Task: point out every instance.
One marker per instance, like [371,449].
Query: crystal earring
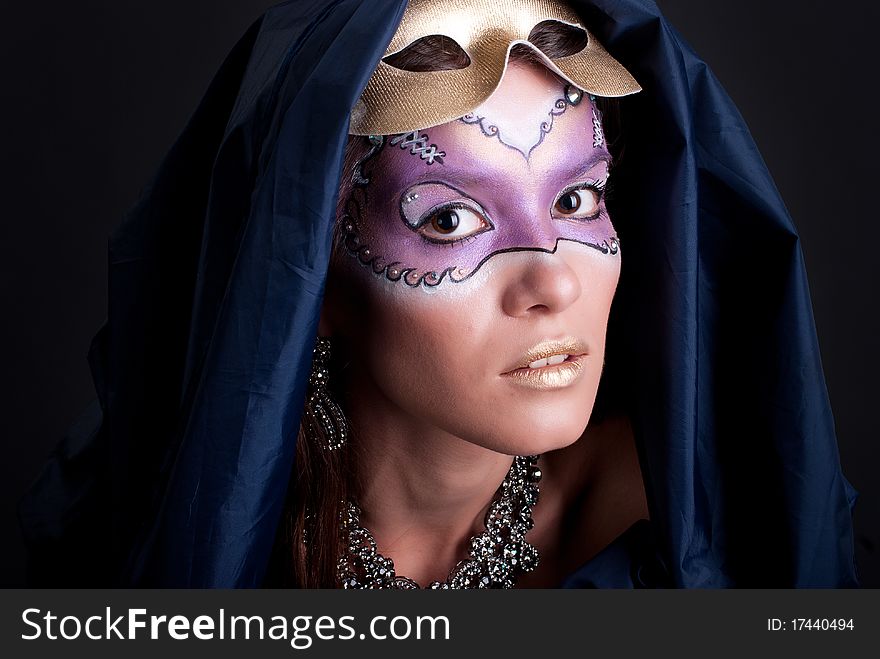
[321,410]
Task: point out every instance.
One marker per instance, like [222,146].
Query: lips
[550,364]
[550,353]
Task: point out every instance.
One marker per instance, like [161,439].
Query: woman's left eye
[581,203]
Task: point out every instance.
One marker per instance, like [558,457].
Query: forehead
[525,129]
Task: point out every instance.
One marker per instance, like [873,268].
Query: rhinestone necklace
[497,556]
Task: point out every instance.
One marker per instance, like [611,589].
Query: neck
[423,491]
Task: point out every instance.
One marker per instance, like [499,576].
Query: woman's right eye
[452,223]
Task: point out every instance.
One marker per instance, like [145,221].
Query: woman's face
[471,244]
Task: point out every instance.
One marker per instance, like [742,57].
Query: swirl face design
[507,177]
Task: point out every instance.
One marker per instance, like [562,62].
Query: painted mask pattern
[431,207]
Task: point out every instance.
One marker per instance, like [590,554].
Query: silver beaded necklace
[497,556]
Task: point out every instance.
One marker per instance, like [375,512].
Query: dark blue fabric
[217,276]
[633,560]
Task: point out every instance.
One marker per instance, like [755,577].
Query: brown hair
[309,543]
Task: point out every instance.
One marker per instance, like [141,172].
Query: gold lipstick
[551,376]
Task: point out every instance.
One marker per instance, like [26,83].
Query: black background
[95,91]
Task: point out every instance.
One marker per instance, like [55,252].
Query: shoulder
[595,492]
[603,463]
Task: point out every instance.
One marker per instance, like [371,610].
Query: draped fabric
[176,476]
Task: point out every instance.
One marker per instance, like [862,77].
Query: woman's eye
[452,223]
[579,203]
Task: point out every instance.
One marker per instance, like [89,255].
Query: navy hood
[177,475]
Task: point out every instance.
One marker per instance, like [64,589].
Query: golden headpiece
[398,101]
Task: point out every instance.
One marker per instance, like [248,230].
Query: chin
[525,436]
[522,421]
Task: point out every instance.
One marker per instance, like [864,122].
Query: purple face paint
[522,172]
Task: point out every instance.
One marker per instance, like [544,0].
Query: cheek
[600,276]
[591,314]
[417,325]
[424,352]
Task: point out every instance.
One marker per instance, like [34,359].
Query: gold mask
[398,101]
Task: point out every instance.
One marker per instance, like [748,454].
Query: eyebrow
[583,168]
[468,177]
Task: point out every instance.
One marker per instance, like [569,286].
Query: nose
[546,284]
